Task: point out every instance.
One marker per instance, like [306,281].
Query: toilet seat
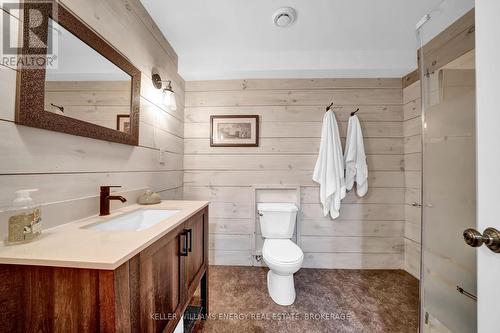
[282,252]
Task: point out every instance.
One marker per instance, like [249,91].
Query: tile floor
[327,301]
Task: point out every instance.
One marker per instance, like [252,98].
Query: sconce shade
[169,99]
[173,102]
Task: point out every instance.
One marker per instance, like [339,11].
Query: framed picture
[123,123]
[234,131]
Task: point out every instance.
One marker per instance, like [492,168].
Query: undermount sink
[136,221]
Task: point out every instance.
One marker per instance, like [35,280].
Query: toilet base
[281,288]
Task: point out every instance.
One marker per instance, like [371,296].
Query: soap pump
[25,218]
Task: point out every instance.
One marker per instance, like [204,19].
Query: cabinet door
[160,278]
[197,231]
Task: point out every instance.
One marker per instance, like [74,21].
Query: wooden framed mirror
[71,80]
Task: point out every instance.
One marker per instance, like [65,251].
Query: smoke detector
[284,17]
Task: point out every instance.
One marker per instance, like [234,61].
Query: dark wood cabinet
[161,277]
[148,293]
[197,233]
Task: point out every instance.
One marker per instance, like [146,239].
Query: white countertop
[73,245]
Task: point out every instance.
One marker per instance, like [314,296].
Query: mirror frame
[30,110]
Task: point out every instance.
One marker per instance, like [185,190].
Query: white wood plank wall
[70,168]
[413,166]
[369,232]
[378,231]
[98,102]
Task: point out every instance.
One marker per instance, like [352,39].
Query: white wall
[443,15]
[488,157]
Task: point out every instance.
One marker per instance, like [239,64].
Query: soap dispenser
[25,218]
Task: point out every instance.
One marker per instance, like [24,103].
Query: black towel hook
[329,107]
[353,113]
[60,108]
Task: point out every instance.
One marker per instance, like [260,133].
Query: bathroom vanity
[90,275]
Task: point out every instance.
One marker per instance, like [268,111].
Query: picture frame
[234,131]
[123,123]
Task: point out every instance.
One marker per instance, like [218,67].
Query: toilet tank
[277,220]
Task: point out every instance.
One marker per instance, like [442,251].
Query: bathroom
[162,166]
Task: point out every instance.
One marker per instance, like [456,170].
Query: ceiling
[236,39]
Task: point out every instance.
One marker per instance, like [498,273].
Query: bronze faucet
[106,198]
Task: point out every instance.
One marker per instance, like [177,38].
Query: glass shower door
[448,274]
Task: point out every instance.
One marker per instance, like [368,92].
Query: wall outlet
[162,156]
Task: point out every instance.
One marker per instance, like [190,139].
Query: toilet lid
[282,251]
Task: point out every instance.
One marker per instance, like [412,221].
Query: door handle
[183,252]
[490,237]
[190,241]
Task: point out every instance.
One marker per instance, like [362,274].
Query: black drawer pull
[190,246]
[183,252]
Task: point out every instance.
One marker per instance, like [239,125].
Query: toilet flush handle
[260,214]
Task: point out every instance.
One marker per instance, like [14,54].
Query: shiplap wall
[71,168]
[413,166]
[369,232]
[98,102]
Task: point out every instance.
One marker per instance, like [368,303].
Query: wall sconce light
[168,97]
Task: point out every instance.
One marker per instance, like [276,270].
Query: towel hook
[329,107]
[353,113]
[60,108]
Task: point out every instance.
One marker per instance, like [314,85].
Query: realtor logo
[28,37]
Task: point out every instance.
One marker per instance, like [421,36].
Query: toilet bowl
[280,253]
[284,258]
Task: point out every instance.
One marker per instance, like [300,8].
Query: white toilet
[280,253]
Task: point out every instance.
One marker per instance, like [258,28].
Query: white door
[488,158]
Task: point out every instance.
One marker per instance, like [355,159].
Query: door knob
[490,237]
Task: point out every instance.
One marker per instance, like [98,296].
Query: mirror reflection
[84,85]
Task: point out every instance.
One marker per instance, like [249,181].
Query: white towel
[329,169]
[355,158]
